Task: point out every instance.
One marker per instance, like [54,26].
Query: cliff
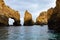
[54,21]
[28,19]
[49,13]
[9,13]
[42,18]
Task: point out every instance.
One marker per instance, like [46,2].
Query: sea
[28,33]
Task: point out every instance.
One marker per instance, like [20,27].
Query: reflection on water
[27,33]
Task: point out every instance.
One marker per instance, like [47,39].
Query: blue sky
[33,6]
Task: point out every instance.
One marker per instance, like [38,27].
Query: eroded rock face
[49,13]
[28,19]
[9,13]
[42,18]
[3,20]
[54,21]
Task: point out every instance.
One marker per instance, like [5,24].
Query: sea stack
[6,12]
[42,18]
[28,19]
[54,21]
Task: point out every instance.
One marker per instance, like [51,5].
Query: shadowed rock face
[49,13]
[42,18]
[3,20]
[8,12]
[54,21]
[28,19]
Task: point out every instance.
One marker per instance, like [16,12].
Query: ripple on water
[27,33]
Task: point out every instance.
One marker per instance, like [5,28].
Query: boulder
[54,20]
[9,13]
[28,19]
[42,18]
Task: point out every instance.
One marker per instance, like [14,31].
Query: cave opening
[11,21]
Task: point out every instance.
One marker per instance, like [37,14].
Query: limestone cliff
[9,13]
[54,21]
[28,19]
[42,18]
[49,13]
[3,20]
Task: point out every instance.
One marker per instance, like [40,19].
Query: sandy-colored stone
[9,13]
[3,20]
[28,19]
[42,18]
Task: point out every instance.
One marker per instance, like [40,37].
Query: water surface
[27,33]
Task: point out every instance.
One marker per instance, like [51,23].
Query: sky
[33,6]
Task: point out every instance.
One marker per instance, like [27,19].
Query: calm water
[27,33]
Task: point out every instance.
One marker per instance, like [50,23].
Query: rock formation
[49,13]
[28,19]
[42,18]
[3,20]
[7,12]
[54,21]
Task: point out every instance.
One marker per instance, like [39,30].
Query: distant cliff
[42,19]
[6,12]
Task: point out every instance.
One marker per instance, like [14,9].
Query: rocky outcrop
[49,13]
[54,21]
[28,19]
[3,20]
[8,12]
[42,18]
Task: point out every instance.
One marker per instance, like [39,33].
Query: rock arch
[8,12]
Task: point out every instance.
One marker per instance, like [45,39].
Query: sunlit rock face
[28,19]
[9,13]
[42,18]
[54,21]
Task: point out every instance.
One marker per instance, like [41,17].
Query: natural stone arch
[16,18]
[16,22]
[7,13]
